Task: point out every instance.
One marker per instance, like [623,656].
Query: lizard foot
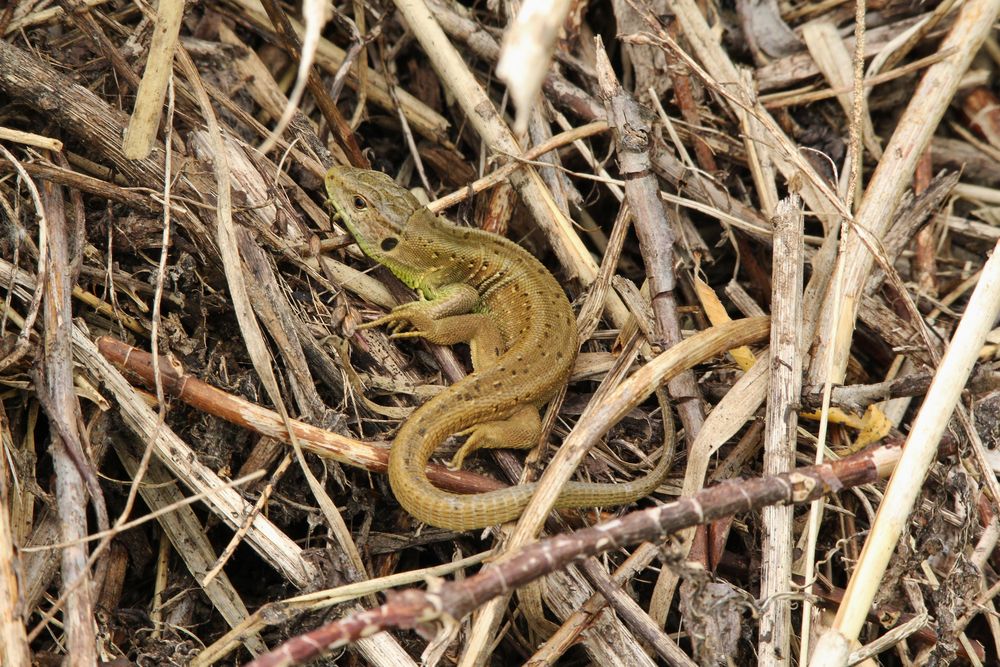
[519,431]
[403,322]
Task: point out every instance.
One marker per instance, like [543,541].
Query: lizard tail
[418,438]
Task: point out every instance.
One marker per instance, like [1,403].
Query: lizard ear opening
[389,243]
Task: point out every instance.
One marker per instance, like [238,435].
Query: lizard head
[373,207]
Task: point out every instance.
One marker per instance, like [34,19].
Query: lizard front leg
[447,319]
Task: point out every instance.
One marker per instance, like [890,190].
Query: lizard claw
[406,334]
[377,322]
[393,323]
[397,327]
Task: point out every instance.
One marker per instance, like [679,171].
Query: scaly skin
[484,290]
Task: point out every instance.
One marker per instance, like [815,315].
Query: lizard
[482,289]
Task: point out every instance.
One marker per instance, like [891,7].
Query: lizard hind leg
[519,431]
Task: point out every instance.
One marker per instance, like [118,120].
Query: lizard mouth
[338,241]
[336,214]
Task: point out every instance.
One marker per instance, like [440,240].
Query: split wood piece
[913,212]
[140,136]
[781,426]
[634,616]
[632,135]
[446,602]
[607,640]
[74,471]
[580,620]
[369,456]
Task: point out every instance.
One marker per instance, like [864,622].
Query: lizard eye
[389,243]
[359,203]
